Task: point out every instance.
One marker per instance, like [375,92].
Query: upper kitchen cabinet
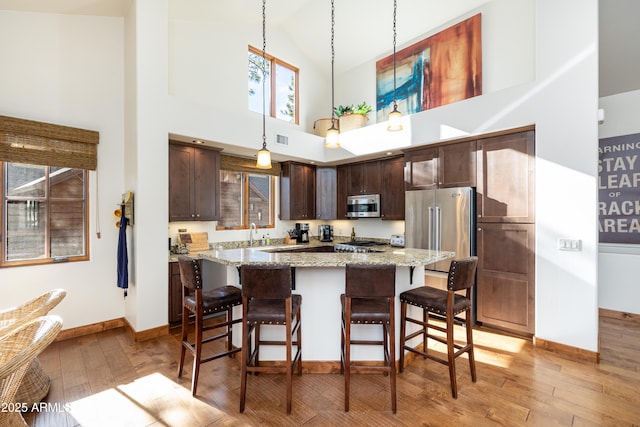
[505,191]
[392,194]
[342,178]
[445,166]
[326,186]
[297,191]
[364,178]
[194,182]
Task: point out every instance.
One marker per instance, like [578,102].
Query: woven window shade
[244,164]
[37,143]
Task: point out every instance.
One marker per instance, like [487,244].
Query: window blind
[38,143]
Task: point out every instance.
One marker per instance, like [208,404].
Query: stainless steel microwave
[364,206]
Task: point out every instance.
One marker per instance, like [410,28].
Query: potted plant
[352,117]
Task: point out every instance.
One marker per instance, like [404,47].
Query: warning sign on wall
[619,189]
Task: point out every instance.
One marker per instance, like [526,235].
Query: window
[246,197]
[281,87]
[44,214]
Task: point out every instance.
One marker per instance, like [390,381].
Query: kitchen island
[320,279]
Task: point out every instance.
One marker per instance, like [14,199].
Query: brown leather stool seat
[444,304]
[267,300]
[369,298]
[201,303]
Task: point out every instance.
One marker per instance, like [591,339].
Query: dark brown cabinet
[175,294]
[384,177]
[422,169]
[364,178]
[297,191]
[505,236]
[342,184]
[445,166]
[506,178]
[392,194]
[194,183]
[457,165]
[326,199]
[505,280]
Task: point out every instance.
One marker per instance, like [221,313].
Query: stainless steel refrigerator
[441,219]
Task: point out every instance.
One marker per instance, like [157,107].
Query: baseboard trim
[93,328]
[620,315]
[567,350]
[113,324]
[147,334]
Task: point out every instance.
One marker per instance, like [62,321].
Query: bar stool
[447,304]
[267,300]
[202,303]
[369,298]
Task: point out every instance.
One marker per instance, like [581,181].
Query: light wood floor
[107,379]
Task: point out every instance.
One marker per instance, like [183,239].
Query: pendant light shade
[264,156]
[332,139]
[395,117]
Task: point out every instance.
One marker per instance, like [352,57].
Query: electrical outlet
[566,244]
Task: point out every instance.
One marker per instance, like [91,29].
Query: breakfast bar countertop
[402,257]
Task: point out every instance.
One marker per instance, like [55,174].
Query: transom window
[281,86]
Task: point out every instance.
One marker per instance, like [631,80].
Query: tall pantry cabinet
[505,231]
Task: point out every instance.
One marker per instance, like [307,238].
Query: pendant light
[264,156]
[395,122]
[332,139]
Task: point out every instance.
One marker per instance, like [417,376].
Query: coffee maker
[302,232]
[325,231]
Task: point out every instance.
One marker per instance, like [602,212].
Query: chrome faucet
[252,229]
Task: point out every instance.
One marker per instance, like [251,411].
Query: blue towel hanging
[123,260]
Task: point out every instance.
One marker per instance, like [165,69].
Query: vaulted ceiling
[363,28]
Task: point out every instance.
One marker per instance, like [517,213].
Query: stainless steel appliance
[325,232]
[397,240]
[442,219]
[360,246]
[363,206]
[302,232]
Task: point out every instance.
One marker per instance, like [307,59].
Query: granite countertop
[402,257]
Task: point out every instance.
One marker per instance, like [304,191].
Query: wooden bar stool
[202,303]
[267,300]
[369,298]
[447,304]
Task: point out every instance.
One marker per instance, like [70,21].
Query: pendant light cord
[395,104]
[264,72]
[333,55]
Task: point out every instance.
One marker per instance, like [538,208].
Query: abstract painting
[439,70]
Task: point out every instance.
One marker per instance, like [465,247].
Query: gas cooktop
[363,243]
[357,246]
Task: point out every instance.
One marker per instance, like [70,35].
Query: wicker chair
[17,350]
[36,382]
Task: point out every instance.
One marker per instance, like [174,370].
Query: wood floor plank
[518,385]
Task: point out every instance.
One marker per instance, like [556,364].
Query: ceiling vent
[281,139]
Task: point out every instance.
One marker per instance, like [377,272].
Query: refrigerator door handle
[430,239]
[438,229]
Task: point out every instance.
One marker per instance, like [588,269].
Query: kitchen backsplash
[368,227]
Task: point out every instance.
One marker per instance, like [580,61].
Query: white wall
[561,101]
[68,70]
[618,264]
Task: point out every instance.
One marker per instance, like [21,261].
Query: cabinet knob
[192,215]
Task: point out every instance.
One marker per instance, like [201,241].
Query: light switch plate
[568,244]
